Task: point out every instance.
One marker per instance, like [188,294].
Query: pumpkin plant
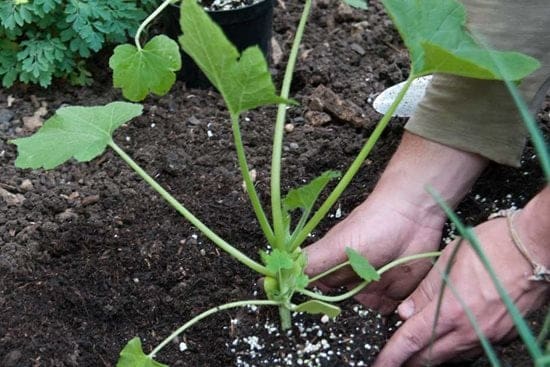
[433,31]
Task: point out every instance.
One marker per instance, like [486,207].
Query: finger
[396,284]
[452,346]
[323,255]
[384,305]
[426,292]
[413,336]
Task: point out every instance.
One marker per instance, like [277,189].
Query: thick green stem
[278,223]
[352,170]
[301,223]
[286,319]
[207,313]
[352,292]
[250,188]
[149,19]
[189,216]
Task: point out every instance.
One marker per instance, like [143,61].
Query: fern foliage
[45,39]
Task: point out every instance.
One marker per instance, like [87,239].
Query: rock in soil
[325,100]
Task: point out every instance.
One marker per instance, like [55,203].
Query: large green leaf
[79,132]
[435,34]
[151,69]
[361,266]
[304,197]
[132,356]
[316,307]
[243,80]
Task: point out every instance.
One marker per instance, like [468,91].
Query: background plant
[45,39]
[140,69]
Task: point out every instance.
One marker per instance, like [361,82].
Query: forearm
[418,163]
[479,116]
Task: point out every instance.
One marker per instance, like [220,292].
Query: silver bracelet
[540,272]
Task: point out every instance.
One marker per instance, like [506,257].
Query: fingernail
[406,309]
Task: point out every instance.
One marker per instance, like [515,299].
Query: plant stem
[352,292]
[276,208]
[406,259]
[301,223]
[544,331]
[329,271]
[149,19]
[189,216]
[543,361]
[207,313]
[250,188]
[487,348]
[286,319]
[541,148]
[354,167]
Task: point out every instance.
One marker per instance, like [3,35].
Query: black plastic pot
[244,27]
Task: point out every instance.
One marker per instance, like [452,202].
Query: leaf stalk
[352,170]
[352,292]
[278,223]
[149,19]
[221,243]
[250,188]
[207,313]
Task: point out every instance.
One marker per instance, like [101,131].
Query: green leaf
[435,34]
[359,4]
[315,307]
[277,260]
[304,197]
[151,69]
[79,132]
[243,80]
[361,266]
[302,281]
[132,356]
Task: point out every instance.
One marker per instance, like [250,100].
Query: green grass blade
[543,361]
[536,136]
[447,271]
[486,345]
[544,331]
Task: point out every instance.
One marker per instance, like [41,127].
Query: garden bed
[90,256]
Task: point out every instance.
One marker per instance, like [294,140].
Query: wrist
[533,225]
[419,163]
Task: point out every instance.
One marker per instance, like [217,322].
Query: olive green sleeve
[479,116]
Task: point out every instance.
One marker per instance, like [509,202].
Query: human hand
[381,232]
[398,219]
[454,336]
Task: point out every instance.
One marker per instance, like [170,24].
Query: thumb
[426,291]
[323,255]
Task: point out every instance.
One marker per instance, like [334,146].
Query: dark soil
[90,256]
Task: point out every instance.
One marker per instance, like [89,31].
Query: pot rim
[229,11]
